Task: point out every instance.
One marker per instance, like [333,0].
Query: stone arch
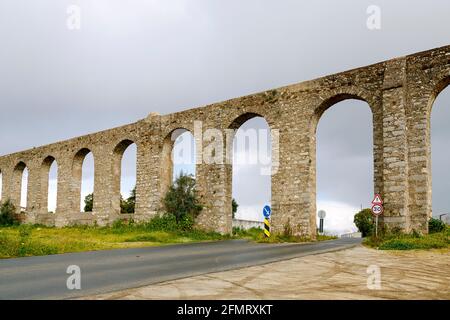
[235,125]
[45,172]
[167,165]
[339,95]
[118,153]
[241,119]
[436,90]
[335,97]
[440,86]
[17,186]
[77,171]
[422,95]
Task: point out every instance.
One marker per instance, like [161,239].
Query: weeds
[414,240]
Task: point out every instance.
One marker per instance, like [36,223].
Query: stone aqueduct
[400,93]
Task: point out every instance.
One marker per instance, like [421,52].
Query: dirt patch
[346,274]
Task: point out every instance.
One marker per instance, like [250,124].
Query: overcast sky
[130,58]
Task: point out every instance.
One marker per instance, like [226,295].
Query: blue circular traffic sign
[267,211]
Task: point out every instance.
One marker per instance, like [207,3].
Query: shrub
[119,226]
[181,201]
[234,207]
[186,223]
[165,222]
[89,202]
[128,205]
[364,222]
[436,225]
[7,214]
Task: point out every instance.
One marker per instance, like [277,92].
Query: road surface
[110,270]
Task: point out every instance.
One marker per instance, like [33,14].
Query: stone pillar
[116,176]
[213,179]
[103,178]
[67,200]
[148,170]
[395,146]
[421,95]
[420,205]
[16,185]
[214,189]
[294,183]
[6,184]
[33,193]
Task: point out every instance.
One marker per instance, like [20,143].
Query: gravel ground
[345,274]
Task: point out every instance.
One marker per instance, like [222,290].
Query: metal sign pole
[377,209]
[321,215]
[376,227]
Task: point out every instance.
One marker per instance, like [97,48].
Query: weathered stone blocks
[399,92]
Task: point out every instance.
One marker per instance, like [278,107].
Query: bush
[364,222]
[7,214]
[128,205]
[410,241]
[436,225]
[165,222]
[234,207]
[89,202]
[186,223]
[120,225]
[181,201]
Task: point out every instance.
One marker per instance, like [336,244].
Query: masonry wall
[399,92]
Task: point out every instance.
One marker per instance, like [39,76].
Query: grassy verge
[257,235]
[438,240]
[20,241]
[35,240]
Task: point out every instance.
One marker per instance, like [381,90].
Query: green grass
[36,240]
[20,241]
[438,240]
[257,235]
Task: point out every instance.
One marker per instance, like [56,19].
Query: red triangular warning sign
[377,199]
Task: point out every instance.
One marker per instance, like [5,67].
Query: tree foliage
[181,200]
[7,214]
[128,205]
[436,225]
[364,222]
[234,206]
[89,202]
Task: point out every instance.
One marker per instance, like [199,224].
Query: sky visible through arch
[136,57]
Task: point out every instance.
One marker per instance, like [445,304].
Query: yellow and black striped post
[267,227]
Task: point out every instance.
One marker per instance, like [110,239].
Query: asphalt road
[104,271]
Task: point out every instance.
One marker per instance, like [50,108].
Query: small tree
[234,206]
[89,202]
[7,217]
[436,225]
[181,199]
[128,205]
[364,222]
[132,198]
